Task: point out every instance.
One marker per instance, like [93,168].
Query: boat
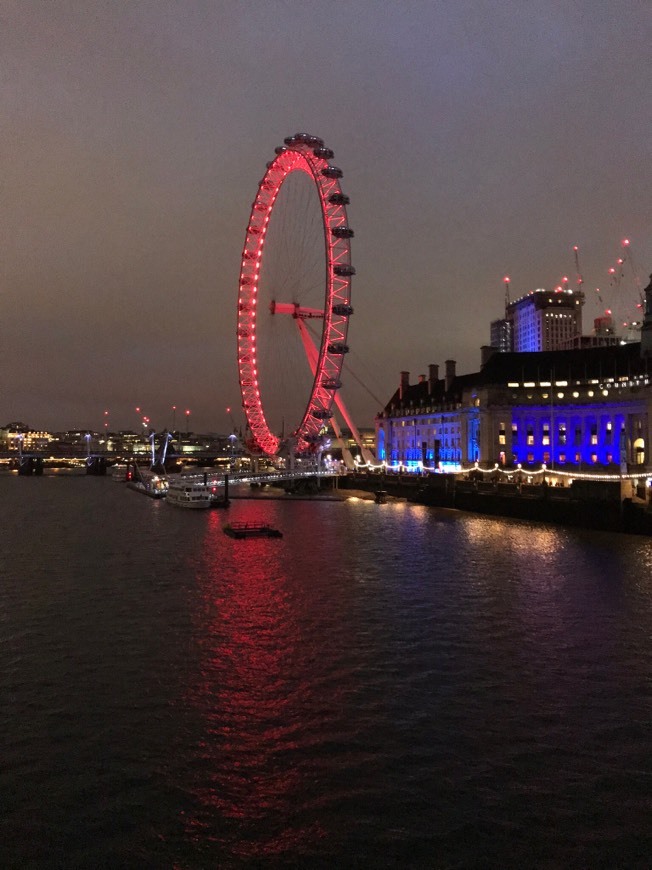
[119,472]
[194,494]
[154,486]
[251,530]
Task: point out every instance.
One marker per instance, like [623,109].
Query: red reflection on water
[254,694]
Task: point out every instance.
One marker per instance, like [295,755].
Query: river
[385,686]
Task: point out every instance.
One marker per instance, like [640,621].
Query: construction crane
[579,280]
[233,423]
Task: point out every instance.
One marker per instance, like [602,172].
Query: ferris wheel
[294,297]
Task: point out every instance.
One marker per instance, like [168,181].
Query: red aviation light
[625,242]
[612,271]
[607,311]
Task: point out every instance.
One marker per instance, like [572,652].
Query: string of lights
[400,468]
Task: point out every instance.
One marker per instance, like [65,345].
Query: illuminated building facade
[574,410]
[545,320]
[502,338]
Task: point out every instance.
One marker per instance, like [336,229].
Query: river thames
[385,686]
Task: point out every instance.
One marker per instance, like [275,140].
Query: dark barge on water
[251,530]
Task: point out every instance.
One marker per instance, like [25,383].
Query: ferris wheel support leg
[311,353]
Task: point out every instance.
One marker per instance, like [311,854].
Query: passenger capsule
[339,199]
[331,384]
[342,310]
[338,348]
[342,232]
[343,270]
[332,172]
[324,153]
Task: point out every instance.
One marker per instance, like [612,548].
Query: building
[545,319]
[502,336]
[21,437]
[575,410]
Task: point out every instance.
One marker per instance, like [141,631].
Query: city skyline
[476,142]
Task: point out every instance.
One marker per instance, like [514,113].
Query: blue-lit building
[574,410]
[545,319]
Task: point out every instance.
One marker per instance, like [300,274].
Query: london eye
[294,298]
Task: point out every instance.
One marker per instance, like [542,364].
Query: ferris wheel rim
[300,153]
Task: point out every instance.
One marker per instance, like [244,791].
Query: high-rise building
[502,335]
[546,319]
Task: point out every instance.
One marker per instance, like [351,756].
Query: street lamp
[187,420]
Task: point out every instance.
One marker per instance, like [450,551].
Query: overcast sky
[477,139]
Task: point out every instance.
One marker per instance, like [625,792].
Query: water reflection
[254,697]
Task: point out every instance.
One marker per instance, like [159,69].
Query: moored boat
[251,530]
[193,494]
[153,486]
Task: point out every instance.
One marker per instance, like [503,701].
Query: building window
[594,458]
[562,458]
[530,457]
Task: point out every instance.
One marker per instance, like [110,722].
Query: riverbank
[587,504]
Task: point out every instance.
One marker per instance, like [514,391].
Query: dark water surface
[386,686]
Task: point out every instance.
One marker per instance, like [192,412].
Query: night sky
[477,139]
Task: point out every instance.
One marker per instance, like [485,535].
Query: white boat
[192,494]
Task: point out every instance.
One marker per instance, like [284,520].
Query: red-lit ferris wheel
[294,298]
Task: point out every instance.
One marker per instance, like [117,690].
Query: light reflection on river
[385,686]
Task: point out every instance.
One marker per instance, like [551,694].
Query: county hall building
[579,409]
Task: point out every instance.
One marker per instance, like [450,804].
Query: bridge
[221,479]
